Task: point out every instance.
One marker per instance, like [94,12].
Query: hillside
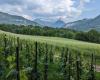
[85,24]
[80,25]
[57,43]
[6,18]
[55,24]
[74,44]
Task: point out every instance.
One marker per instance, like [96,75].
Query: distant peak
[98,16]
[60,21]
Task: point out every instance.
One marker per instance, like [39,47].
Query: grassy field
[75,44]
[63,42]
[98,76]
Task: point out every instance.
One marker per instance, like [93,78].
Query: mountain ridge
[56,24]
[6,18]
[80,25]
[84,24]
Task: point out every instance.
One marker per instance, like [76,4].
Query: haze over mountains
[83,25]
[6,18]
[56,24]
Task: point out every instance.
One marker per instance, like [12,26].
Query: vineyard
[26,59]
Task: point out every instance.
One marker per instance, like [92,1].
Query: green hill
[6,18]
[83,47]
[85,24]
[74,44]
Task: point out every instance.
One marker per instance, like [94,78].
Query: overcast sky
[67,10]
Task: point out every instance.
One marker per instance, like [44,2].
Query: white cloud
[44,8]
[81,7]
[27,16]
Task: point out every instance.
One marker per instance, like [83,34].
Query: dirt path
[98,68]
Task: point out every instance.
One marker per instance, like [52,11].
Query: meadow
[81,45]
[48,58]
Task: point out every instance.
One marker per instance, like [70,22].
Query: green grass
[57,41]
[98,76]
[74,44]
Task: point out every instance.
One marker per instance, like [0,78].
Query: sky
[67,10]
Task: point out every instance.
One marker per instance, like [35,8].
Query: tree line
[89,36]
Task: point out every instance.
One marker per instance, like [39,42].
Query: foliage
[90,36]
[22,59]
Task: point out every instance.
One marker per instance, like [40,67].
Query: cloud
[79,9]
[27,17]
[12,2]
[43,8]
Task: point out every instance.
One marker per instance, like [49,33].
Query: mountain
[59,23]
[56,24]
[85,24]
[81,25]
[43,22]
[6,18]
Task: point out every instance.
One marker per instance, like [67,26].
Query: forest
[89,36]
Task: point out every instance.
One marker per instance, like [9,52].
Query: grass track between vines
[62,42]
